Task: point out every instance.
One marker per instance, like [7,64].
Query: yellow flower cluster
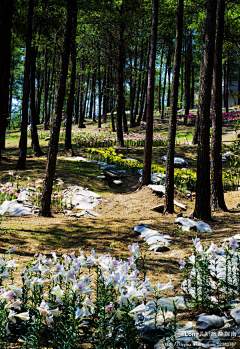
[183,178]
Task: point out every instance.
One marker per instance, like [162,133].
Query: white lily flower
[140,308]
[11,316]
[15,305]
[162,288]
[54,312]
[57,291]
[4,274]
[79,313]
[23,316]
[195,241]
[11,264]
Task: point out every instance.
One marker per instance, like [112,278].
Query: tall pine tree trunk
[139,84]
[34,135]
[120,94]
[68,134]
[165,76]
[45,210]
[202,204]
[45,97]
[169,188]
[147,159]
[188,55]
[99,91]
[160,78]
[132,119]
[217,196]
[26,89]
[80,107]
[51,83]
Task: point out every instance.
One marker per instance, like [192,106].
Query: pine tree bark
[92,94]
[132,119]
[188,54]
[192,88]
[70,104]
[169,81]
[139,83]
[169,187]
[39,94]
[217,195]
[26,89]
[45,97]
[142,102]
[160,79]
[45,209]
[202,204]
[147,159]
[165,78]
[86,95]
[51,83]
[33,122]
[120,94]
[99,91]
[80,107]
[6,15]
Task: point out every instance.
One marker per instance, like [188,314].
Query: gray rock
[206,322]
[159,208]
[147,327]
[89,213]
[111,174]
[143,229]
[159,248]
[108,167]
[187,224]
[130,159]
[77,158]
[158,178]
[157,188]
[178,162]
[117,182]
[155,239]
[228,154]
[15,208]
[235,314]
[176,203]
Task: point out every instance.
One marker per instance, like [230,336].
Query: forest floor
[121,208]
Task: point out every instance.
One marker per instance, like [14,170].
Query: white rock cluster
[156,241]
[187,224]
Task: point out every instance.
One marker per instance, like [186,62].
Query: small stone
[78,158]
[158,208]
[183,207]
[235,314]
[47,139]
[206,322]
[117,182]
[159,248]
[158,188]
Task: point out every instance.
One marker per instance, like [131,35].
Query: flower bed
[69,300]
[185,179]
[212,275]
[10,191]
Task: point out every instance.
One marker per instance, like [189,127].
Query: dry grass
[121,209]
